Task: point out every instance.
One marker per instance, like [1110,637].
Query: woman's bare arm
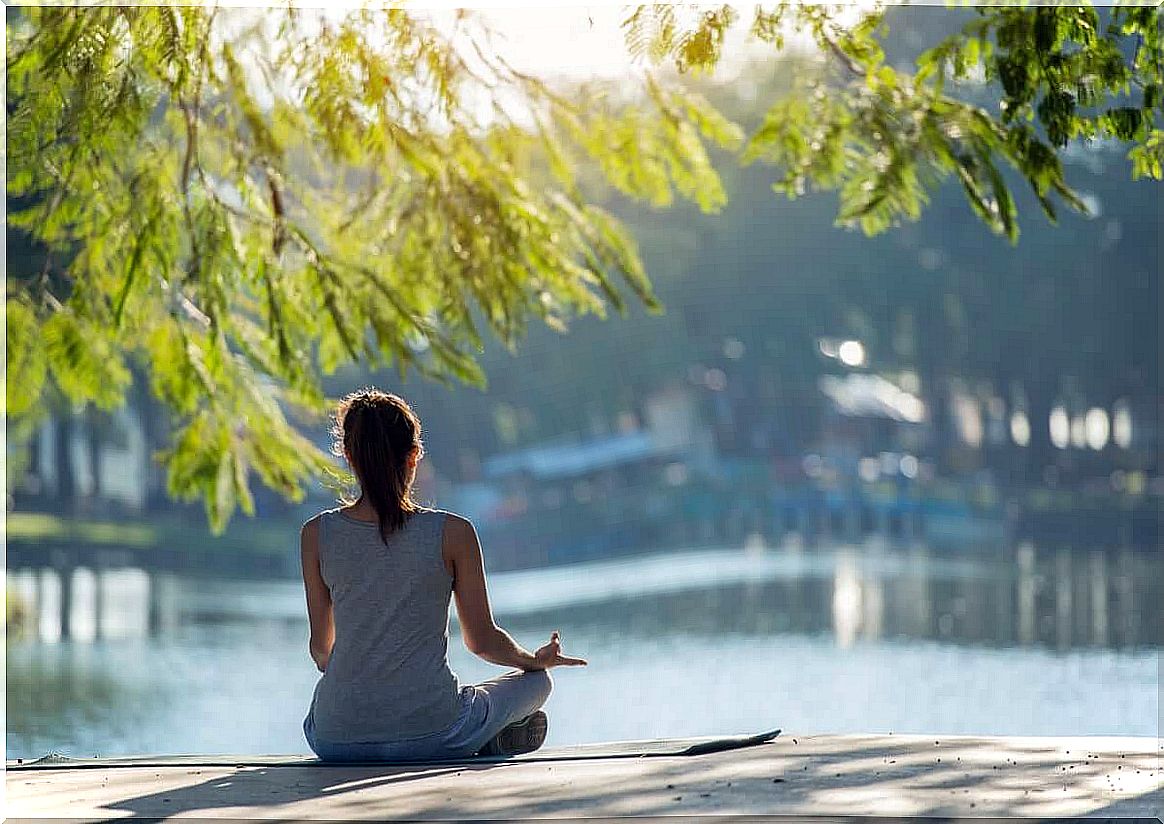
[480,632]
[319,612]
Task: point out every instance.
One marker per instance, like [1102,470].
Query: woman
[380,573]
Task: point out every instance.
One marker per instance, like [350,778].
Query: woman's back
[388,676]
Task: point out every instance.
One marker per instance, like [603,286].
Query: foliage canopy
[884,137]
[236,202]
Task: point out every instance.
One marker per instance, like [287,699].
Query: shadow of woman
[248,787]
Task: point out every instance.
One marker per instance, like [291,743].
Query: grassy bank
[243,535]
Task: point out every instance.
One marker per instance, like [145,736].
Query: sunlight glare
[580,42]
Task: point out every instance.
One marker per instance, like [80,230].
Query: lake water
[844,640]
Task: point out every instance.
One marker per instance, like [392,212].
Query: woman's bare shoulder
[454,523]
[312,523]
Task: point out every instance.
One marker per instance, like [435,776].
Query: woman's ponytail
[378,432]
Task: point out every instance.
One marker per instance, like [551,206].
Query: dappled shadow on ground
[823,775]
[226,791]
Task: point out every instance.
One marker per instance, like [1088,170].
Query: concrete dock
[834,775]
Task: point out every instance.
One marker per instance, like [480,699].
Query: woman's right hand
[550,655]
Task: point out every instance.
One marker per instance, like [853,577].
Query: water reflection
[1057,599]
[1060,598]
[810,639]
[55,691]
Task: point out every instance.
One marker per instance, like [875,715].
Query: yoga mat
[615,749]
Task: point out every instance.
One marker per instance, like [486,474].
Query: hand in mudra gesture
[550,655]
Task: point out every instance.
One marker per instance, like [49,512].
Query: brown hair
[377,432]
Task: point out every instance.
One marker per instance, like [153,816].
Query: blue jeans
[486,709]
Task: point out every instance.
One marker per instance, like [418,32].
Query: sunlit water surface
[703,643]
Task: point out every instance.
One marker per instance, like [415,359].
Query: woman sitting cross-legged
[380,573]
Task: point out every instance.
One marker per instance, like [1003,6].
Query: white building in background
[673,423]
[125,464]
[673,429]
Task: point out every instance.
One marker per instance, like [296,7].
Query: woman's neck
[362,509]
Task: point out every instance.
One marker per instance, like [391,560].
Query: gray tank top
[388,677]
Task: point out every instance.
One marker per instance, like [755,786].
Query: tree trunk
[66,486]
[35,445]
[94,441]
[154,431]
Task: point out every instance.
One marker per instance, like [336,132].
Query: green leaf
[26,361]
[83,361]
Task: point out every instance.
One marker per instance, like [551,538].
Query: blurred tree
[885,136]
[239,200]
